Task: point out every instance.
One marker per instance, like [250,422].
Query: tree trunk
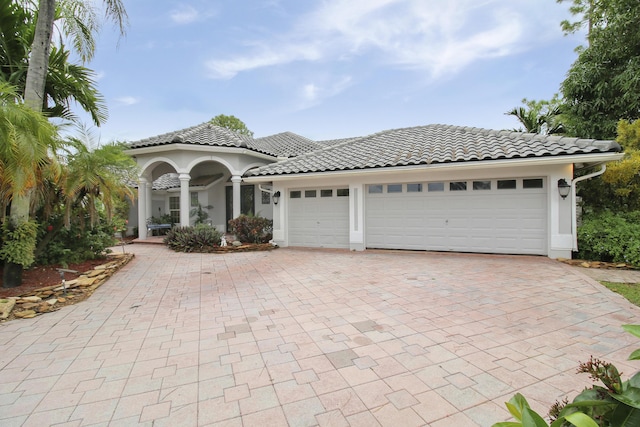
[33,98]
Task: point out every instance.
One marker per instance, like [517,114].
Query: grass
[630,291]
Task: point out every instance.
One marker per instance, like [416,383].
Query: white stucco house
[436,187]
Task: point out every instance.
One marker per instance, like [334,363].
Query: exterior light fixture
[564,188]
[276,197]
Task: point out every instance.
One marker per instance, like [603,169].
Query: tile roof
[286,144]
[432,144]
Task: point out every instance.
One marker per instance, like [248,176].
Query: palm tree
[97,178]
[28,140]
[542,117]
[65,81]
[36,78]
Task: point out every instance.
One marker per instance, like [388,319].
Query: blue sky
[329,69]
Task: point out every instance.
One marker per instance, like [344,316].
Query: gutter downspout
[574,219]
[265,190]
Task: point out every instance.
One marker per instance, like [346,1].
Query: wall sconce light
[276,197]
[564,188]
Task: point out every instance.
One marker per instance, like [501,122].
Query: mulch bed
[47,275]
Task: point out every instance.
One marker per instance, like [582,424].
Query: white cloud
[314,93]
[186,14]
[127,100]
[439,37]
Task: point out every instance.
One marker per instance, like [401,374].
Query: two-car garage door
[491,216]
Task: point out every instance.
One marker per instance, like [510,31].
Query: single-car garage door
[319,217]
[490,216]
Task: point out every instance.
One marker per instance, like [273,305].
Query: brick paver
[312,337]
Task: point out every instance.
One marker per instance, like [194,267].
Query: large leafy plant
[609,403]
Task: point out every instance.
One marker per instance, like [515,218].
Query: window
[507,184]
[394,188]
[194,199]
[435,186]
[174,203]
[342,192]
[174,209]
[309,193]
[326,193]
[375,189]
[414,188]
[532,183]
[295,194]
[482,185]
[458,186]
[266,198]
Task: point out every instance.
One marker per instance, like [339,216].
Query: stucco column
[184,199]
[236,180]
[142,208]
[149,199]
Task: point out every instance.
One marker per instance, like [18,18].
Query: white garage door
[490,216]
[319,217]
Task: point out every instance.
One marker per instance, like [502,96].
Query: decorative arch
[203,159]
[147,164]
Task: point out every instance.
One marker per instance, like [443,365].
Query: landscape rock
[51,298]
[25,314]
[6,305]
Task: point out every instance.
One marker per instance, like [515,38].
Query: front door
[247,202]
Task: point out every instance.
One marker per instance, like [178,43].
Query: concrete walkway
[312,337]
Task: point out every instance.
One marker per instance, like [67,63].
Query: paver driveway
[304,337]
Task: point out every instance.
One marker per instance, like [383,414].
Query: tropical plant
[66,82]
[36,79]
[541,117]
[251,229]
[97,178]
[199,238]
[28,141]
[614,403]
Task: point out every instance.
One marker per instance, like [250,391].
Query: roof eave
[591,158]
[155,149]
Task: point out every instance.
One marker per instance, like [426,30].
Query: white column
[184,199]
[142,208]
[150,212]
[356,216]
[236,180]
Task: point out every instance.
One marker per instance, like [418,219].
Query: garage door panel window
[458,186]
[532,183]
[295,194]
[394,188]
[326,193]
[342,192]
[310,194]
[482,185]
[375,189]
[435,186]
[506,184]
[414,188]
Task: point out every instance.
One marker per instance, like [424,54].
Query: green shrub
[610,237]
[251,229]
[19,243]
[61,245]
[201,238]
